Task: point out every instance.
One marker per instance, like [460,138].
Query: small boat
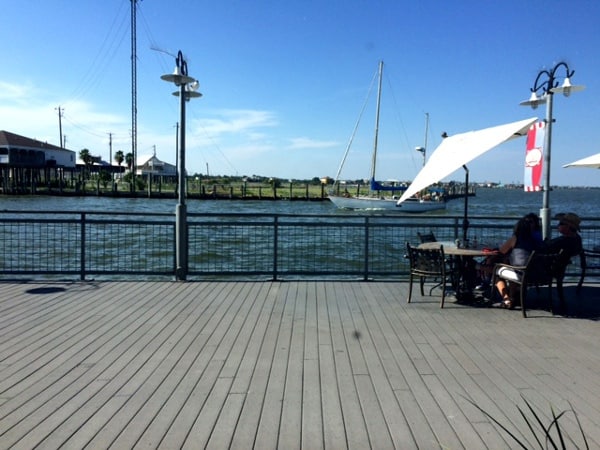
[376,200]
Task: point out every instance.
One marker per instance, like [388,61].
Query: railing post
[456,228]
[366,269]
[82,249]
[275,246]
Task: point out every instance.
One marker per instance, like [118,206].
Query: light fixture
[177,77]
[547,84]
[190,90]
[567,88]
[534,101]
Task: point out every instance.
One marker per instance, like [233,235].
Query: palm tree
[129,160]
[119,157]
[86,157]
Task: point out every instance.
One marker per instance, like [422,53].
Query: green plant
[104,177]
[546,436]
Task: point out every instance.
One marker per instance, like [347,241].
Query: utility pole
[60,111]
[110,148]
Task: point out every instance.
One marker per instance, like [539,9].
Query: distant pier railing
[116,246]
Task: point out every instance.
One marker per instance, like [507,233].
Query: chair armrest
[499,265]
[593,255]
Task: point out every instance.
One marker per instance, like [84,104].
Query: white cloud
[13,92]
[24,110]
[236,121]
[304,143]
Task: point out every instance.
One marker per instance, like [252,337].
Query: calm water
[487,202]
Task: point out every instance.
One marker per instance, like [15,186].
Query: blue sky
[284,83]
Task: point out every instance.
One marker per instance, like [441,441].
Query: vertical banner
[534,157]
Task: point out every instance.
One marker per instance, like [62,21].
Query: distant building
[26,163]
[22,152]
[151,165]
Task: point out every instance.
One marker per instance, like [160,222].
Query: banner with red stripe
[534,153]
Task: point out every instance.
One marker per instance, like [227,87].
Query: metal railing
[112,246]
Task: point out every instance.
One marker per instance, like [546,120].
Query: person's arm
[508,245]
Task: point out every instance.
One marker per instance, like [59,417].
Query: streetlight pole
[187,89]
[547,84]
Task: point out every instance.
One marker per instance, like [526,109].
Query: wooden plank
[267,423]
[343,337]
[204,424]
[252,379]
[382,369]
[334,433]
[290,431]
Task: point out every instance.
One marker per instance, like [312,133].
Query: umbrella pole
[465,224]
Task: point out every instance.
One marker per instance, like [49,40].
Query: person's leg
[514,294]
[503,289]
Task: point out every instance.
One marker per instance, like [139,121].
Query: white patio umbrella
[456,151]
[592,162]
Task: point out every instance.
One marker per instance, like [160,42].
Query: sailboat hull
[387,204]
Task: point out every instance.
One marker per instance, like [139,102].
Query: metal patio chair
[427,263]
[426,237]
[541,270]
[589,262]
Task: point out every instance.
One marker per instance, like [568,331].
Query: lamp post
[547,84]
[187,89]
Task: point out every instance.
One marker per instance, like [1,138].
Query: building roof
[8,139]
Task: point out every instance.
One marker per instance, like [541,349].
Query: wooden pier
[287,365]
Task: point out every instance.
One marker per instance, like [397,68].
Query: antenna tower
[133,91]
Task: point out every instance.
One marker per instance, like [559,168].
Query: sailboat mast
[426,133]
[374,160]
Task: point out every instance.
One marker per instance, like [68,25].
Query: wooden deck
[285,365]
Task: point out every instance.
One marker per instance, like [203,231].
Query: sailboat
[375,200]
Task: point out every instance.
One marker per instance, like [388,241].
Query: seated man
[569,240]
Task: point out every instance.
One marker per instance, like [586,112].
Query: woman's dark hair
[534,220]
[522,228]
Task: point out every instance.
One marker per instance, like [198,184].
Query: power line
[103,57]
[82,127]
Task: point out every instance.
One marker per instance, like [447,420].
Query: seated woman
[487,266]
[516,250]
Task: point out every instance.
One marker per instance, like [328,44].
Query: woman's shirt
[518,249]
